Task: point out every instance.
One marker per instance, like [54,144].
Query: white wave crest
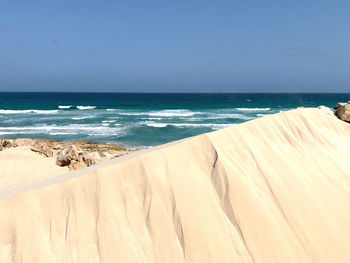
[86,107]
[156,125]
[162,113]
[110,121]
[214,126]
[132,113]
[209,125]
[230,116]
[253,109]
[172,113]
[35,128]
[152,118]
[64,107]
[53,127]
[60,130]
[80,118]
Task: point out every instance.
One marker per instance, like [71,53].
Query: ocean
[139,119]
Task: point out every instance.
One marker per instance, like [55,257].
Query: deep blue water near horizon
[139,119]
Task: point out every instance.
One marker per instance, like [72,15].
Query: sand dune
[275,189]
[20,166]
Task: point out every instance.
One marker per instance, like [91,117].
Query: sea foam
[171,113]
[156,125]
[162,113]
[229,116]
[74,127]
[214,126]
[64,107]
[86,107]
[110,121]
[253,109]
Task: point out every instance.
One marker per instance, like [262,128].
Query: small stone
[326,110]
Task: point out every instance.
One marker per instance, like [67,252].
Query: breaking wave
[162,113]
[64,107]
[86,107]
[207,125]
[253,109]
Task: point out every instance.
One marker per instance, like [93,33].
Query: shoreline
[72,154]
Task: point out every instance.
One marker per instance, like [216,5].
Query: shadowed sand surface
[21,166]
[275,189]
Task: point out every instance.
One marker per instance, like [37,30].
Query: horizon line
[157,92]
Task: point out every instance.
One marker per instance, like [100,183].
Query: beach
[273,189]
[44,157]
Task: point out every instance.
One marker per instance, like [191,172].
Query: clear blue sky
[175,46]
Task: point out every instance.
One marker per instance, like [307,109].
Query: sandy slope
[276,189]
[20,166]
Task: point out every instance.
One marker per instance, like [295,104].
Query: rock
[42,149]
[75,165]
[338,105]
[342,111]
[67,155]
[70,154]
[88,160]
[326,110]
[6,143]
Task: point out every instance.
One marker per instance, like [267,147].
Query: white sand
[276,189]
[20,166]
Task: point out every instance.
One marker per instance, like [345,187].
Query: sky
[175,46]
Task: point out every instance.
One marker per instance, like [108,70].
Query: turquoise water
[139,119]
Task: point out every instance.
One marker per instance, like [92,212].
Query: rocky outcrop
[42,149]
[342,111]
[75,154]
[339,104]
[68,154]
[74,158]
[87,160]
